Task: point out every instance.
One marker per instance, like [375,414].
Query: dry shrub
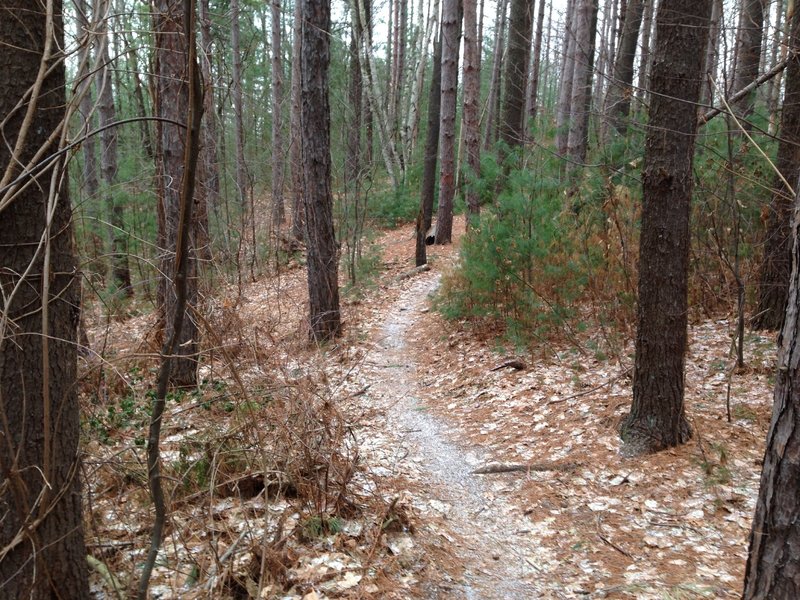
[315,449]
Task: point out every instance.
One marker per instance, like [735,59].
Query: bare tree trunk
[91,183]
[323,283]
[172,102]
[209,195]
[242,186]
[490,132]
[712,54]
[41,529]
[512,130]
[278,212]
[602,68]
[533,97]
[657,420]
[774,87]
[391,159]
[411,128]
[451,36]
[647,44]
[296,144]
[471,114]
[120,272]
[773,564]
[564,109]
[585,32]
[428,187]
[775,270]
[748,53]
[618,99]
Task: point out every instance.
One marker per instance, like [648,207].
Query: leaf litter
[423,405]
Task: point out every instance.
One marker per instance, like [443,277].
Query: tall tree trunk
[773,283]
[471,114]
[564,108]
[354,210]
[712,54]
[512,129]
[774,84]
[647,45]
[278,212]
[242,186]
[41,529]
[428,187]
[536,67]
[602,65]
[296,143]
[773,563]
[451,37]
[620,91]
[748,53]
[492,102]
[585,32]
[172,102]
[91,183]
[120,272]
[657,420]
[323,284]
[208,193]
[391,159]
[411,127]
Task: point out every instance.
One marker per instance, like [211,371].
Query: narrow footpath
[500,561]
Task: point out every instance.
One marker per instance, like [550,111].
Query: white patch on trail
[499,554]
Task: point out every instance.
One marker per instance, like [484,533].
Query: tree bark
[536,66]
[451,36]
[428,187]
[42,552]
[278,211]
[471,112]
[91,183]
[323,283]
[296,143]
[120,272]
[774,88]
[208,196]
[492,102]
[776,264]
[657,420]
[712,54]
[773,563]
[748,53]
[172,102]
[647,45]
[620,91]
[564,109]
[512,128]
[236,93]
[581,102]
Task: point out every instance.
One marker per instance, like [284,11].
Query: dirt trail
[500,560]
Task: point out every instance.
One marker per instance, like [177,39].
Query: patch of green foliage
[519,266]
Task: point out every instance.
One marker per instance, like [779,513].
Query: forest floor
[349,470]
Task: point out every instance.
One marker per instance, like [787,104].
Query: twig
[111,580]
[614,546]
[521,468]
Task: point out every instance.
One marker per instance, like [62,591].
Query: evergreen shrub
[518,268]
